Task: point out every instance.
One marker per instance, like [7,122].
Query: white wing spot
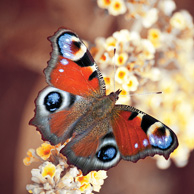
[136,145]
[145,142]
[64,61]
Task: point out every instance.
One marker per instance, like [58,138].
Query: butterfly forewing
[72,67]
[139,135]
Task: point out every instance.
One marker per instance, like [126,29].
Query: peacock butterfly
[75,105]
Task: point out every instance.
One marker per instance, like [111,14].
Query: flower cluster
[146,10]
[54,175]
[134,59]
[156,54]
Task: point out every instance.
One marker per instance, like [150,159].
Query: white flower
[162,163]
[150,18]
[178,21]
[122,35]
[131,83]
[167,6]
[181,20]
[117,7]
[181,158]
[120,59]
[121,75]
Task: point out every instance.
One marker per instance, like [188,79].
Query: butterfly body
[76,106]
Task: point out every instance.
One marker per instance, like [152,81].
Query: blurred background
[24,52]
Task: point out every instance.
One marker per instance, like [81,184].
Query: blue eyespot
[67,46]
[107,153]
[162,142]
[53,101]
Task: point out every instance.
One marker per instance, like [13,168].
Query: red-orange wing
[139,135]
[72,67]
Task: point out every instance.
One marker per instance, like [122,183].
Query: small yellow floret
[44,151]
[49,170]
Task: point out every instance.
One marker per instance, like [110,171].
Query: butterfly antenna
[147,93]
[114,67]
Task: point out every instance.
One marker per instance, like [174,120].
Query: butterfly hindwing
[139,135]
[72,67]
[95,149]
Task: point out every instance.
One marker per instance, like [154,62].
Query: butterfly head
[114,96]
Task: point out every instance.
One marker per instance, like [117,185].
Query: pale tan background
[24,52]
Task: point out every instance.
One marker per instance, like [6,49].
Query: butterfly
[75,105]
